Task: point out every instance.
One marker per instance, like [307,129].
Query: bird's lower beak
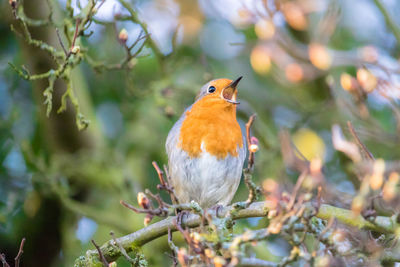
[229,93]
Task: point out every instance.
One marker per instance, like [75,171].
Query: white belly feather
[205,179]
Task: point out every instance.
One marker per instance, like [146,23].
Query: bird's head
[221,91]
[210,123]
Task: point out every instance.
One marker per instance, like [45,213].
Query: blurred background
[307,65]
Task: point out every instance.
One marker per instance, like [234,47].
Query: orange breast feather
[213,123]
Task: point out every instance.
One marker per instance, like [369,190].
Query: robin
[206,148]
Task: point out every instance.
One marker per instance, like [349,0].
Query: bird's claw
[218,209]
[180,217]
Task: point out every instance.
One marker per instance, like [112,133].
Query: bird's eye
[211,89]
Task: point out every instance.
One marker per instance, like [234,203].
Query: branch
[153,231]
[379,223]
[256,209]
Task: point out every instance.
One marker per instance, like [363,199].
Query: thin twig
[185,233]
[3,260]
[247,172]
[159,172]
[174,249]
[140,37]
[319,197]
[121,248]
[164,184]
[101,3]
[160,211]
[293,196]
[248,138]
[157,198]
[331,221]
[196,247]
[101,256]
[78,21]
[20,251]
[364,150]
[61,42]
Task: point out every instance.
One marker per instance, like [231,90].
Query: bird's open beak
[229,93]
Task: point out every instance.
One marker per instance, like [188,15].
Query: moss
[88,261]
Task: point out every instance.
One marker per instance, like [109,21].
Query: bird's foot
[218,210]
[182,215]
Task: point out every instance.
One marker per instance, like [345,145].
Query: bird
[206,148]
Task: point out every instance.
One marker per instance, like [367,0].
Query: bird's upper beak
[229,93]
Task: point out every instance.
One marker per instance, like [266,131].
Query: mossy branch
[65,61]
[257,209]
[380,224]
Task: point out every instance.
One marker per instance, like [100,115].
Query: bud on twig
[295,16]
[272,213]
[196,237]
[348,82]
[253,144]
[147,219]
[182,256]
[369,53]
[316,166]
[275,227]
[376,179]
[367,80]
[209,253]
[270,186]
[219,261]
[13,3]
[143,201]
[320,56]
[357,205]
[123,36]
[390,187]
[75,49]
[322,261]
